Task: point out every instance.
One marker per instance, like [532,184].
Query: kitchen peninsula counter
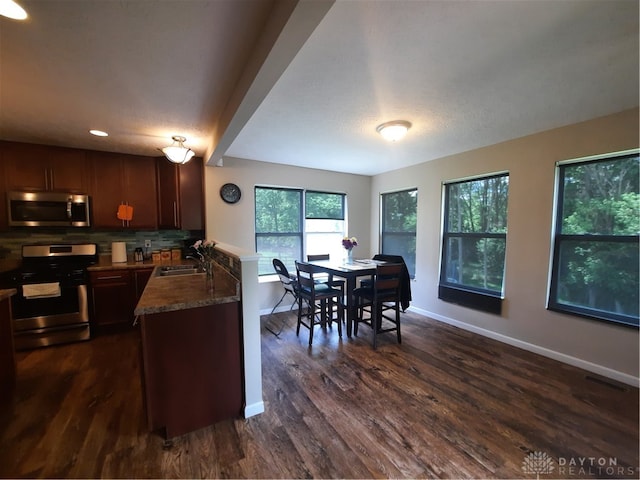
[192,356]
[180,292]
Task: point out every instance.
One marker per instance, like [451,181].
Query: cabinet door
[44,168]
[68,170]
[111,298]
[140,278]
[191,195]
[7,356]
[106,188]
[167,194]
[26,166]
[180,194]
[140,190]
[3,194]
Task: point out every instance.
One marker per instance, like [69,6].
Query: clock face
[230,192]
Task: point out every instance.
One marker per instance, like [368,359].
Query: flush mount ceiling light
[394,131]
[10,9]
[177,152]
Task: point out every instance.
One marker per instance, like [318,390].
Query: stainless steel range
[51,304]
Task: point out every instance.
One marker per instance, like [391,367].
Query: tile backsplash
[11,241]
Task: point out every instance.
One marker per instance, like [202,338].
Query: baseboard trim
[545,352]
[253,409]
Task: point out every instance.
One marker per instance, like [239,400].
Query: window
[595,252]
[282,233]
[278,227]
[324,224]
[398,226]
[474,241]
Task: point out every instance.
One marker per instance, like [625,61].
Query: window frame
[303,218]
[469,296]
[299,234]
[557,238]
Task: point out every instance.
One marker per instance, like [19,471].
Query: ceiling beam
[289,26]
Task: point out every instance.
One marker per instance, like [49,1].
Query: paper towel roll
[118,252]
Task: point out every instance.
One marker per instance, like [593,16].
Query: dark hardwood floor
[444,404]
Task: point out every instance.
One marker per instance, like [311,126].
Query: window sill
[472,299]
[628,322]
[268,278]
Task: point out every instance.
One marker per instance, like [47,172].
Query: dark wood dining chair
[315,293]
[324,278]
[382,295]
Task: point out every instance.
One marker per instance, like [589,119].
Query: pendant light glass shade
[10,9]
[177,152]
[394,131]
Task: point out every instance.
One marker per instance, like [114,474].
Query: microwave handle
[69,208]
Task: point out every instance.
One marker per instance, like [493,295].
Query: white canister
[119,252]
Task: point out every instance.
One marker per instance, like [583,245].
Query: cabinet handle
[51,185]
[175,213]
[111,277]
[46,179]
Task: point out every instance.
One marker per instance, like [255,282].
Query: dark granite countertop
[181,292]
[7,292]
[105,263]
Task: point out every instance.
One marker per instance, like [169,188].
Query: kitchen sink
[177,270]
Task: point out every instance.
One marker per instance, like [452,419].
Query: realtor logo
[538,463]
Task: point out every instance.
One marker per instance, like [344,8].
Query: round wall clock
[230,193]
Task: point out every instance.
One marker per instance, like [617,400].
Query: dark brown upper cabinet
[30,167]
[119,179]
[180,194]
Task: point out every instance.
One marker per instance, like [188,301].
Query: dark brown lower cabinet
[112,300]
[114,295]
[7,356]
[192,367]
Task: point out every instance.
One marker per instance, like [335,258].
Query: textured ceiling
[466,73]
[311,91]
[142,70]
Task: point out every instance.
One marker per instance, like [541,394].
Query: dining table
[350,270]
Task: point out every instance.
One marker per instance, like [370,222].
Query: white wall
[234,224]
[604,348]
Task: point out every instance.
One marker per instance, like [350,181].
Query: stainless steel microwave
[48,209]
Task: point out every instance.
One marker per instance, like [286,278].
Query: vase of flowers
[348,243]
[205,257]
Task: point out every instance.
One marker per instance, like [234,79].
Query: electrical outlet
[147,243]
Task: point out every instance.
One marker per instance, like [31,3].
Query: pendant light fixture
[394,130]
[10,9]
[177,152]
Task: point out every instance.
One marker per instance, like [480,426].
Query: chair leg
[299,317]
[312,316]
[398,322]
[279,302]
[340,313]
[359,314]
[374,323]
